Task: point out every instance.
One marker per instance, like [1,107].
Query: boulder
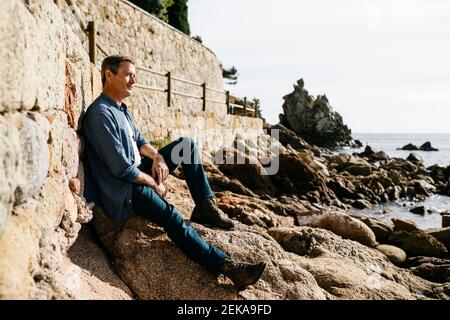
[154,268]
[349,270]
[396,255]
[343,160]
[409,146]
[289,137]
[441,234]
[417,261]
[374,155]
[314,119]
[361,204]
[359,170]
[445,220]
[414,158]
[381,229]
[246,169]
[421,210]
[348,228]
[418,243]
[303,174]
[404,225]
[427,147]
[434,273]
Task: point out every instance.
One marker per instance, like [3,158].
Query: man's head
[118,75]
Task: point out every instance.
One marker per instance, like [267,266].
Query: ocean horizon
[389,142]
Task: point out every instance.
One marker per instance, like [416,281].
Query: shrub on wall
[178,16]
[157,8]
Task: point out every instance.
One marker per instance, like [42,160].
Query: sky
[383,65]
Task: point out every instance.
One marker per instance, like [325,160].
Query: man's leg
[184,151]
[147,203]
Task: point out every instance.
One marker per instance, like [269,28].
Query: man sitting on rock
[126,184]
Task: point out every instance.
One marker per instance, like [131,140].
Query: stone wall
[48,85]
[126,29]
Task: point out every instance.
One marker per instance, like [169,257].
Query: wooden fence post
[92,41]
[169,89]
[245,106]
[227,95]
[204,96]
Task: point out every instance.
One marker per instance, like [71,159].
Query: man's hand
[147,180]
[162,190]
[160,170]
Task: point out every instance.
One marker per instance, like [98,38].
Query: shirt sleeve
[105,140]
[140,140]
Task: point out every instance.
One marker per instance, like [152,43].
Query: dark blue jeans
[147,203]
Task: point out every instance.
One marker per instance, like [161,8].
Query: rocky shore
[297,221]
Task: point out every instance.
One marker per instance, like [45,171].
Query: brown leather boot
[242,273]
[207,212]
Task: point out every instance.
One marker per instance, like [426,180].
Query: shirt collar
[121,107]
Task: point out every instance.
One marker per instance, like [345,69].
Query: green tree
[157,8]
[178,16]
[230,74]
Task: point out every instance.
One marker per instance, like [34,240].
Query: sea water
[389,142]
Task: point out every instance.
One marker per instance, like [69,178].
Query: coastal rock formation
[424,147]
[303,262]
[314,119]
[347,269]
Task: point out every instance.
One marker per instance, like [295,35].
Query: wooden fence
[91,30]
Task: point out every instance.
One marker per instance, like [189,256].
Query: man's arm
[160,170]
[147,150]
[147,180]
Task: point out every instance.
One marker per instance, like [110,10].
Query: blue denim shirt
[109,157]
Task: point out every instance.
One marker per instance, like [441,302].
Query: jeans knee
[188,141]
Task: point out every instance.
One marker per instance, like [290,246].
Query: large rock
[303,174]
[154,268]
[409,147]
[374,155]
[340,224]
[289,137]
[404,225]
[314,120]
[343,160]
[246,168]
[87,272]
[348,228]
[427,147]
[381,229]
[396,255]
[349,270]
[441,234]
[359,170]
[418,243]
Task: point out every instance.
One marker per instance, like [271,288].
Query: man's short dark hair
[113,63]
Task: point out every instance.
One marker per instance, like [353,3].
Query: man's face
[122,82]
